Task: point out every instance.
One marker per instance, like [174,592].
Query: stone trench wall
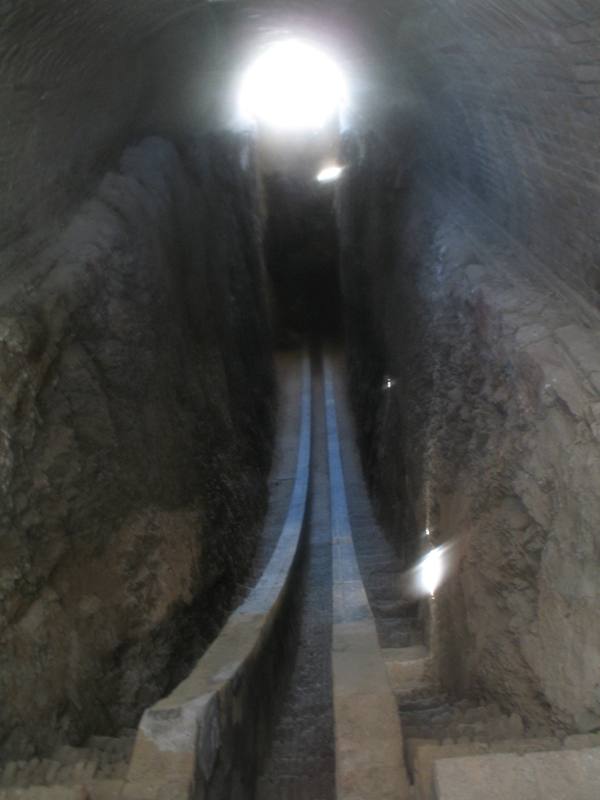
[470,256]
[136,385]
[489,435]
[135,432]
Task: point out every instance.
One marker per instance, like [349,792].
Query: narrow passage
[300,764]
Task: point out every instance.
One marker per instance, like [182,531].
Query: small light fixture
[330,173]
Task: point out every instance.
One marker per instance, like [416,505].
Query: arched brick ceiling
[512,88]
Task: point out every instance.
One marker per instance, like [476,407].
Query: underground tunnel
[299,400]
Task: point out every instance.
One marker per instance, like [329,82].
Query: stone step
[67,754]
[408,671]
[444,719]
[434,715]
[127,733]
[46,793]
[421,754]
[106,743]
[102,758]
[444,726]
[111,749]
[25,773]
[429,701]
[463,710]
[395,634]
[89,790]
[555,775]
[106,789]
[581,741]
[395,609]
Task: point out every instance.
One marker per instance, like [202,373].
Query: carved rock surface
[135,418]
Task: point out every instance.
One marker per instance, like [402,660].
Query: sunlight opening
[292,86]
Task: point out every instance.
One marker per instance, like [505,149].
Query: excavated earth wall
[135,433]
[475,380]
[470,253]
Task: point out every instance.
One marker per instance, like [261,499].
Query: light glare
[292,86]
[430,571]
[328,174]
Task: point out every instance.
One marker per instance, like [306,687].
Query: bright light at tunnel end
[292,85]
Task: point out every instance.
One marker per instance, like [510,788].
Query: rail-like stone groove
[203,740]
[300,762]
[368,737]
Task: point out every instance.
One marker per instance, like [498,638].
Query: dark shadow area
[302,256]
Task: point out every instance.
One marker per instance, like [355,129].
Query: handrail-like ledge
[202,741]
[368,737]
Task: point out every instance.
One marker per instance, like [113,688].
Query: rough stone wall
[135,420]
[514,95]
[470,256]
[488,436]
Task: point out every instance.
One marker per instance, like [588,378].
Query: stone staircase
[95,771]
[398,623]
[436,728]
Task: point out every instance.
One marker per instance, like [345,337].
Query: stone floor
[300,765]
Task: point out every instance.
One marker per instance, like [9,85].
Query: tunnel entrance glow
[292,86]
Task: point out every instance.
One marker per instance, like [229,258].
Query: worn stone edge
[180,738]
[368,733]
